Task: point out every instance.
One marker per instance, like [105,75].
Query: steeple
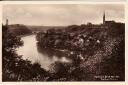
[104,18]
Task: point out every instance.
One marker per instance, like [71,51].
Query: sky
[61,14]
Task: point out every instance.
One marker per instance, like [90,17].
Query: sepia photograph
[63,42]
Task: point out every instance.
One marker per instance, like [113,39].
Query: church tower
[104,18]
[6,22]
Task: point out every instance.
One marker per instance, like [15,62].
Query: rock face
[94,51]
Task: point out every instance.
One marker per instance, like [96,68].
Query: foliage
[19,29]
[14,68]
[94,51]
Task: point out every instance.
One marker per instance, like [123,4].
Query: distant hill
[19,29]
[44,28]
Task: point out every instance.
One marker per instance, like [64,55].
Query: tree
[14,68]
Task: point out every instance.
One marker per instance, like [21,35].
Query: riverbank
[31,51]
[14,68]
[25,35]
[72,54]
[93,50]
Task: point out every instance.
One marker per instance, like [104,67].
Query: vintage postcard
[63,42]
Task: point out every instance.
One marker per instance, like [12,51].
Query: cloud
[61,14]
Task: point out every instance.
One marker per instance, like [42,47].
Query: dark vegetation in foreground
[95,52]
[14,68]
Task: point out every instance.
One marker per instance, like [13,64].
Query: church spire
[104,18]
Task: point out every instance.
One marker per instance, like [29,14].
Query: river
[30,51]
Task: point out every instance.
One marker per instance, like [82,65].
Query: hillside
[19,29]
[97,53]
[44,28]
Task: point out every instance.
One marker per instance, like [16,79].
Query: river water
[30,51]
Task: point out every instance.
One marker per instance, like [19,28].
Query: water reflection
[46,57]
